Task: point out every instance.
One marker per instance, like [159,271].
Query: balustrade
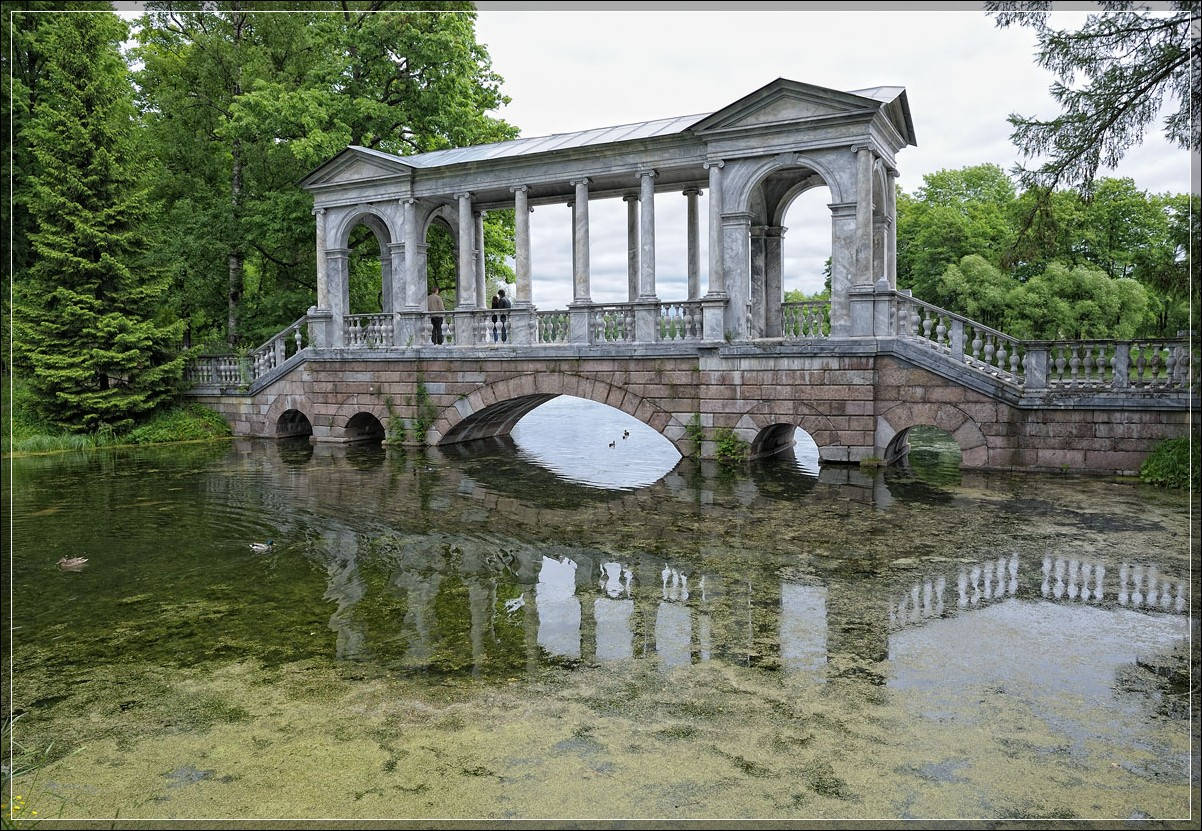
[611,324]
[553,326]
[977,346]
[371,331]
[680,321]
[806,319]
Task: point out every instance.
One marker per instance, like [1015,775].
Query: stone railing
[1132,365]
[680,321]
[214,371]
[806,319]
[373,331]
[279,348]
[553,326]
[977,346]
[611,323]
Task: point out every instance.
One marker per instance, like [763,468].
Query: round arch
[765,426]
[367,215]
[740,197]
[895,421]
[493,409]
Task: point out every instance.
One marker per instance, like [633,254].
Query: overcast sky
[570,69]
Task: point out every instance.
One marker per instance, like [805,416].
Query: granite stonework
[854,406]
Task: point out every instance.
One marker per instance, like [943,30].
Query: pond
[508,629]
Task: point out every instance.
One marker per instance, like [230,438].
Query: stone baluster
[1001,355]
[957,339]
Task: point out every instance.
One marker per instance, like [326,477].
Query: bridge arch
[768,429]
[892,425]
[494,409]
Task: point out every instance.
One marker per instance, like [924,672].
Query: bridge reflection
[490,605]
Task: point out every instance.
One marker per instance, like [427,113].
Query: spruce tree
[85,319]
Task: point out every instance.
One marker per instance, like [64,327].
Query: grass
[24,433]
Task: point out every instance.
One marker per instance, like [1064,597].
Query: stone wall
[853,406]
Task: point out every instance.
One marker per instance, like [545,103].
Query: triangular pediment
[784,101]
[354,165]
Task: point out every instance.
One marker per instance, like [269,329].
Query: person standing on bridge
[434,304]
[500,301]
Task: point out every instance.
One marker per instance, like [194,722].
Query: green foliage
[85,318]
[396,424]
[1172,464]
[960,247]
[695,433]
[426,411]
[1112,77]
[184,422]
[240,105]
[730,450]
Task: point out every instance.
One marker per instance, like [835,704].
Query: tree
[955,213]
[243,104]
[85,318]
[1130,60]
[1076,303]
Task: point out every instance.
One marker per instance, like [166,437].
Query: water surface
[475,634]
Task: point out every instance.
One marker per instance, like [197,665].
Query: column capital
[776,230]
[407,200]
[331,253]
[571,203]
[856,148]
[584,180]
[522,188]
[479,212]
[467,194]
[691,190]
[648,172]
[319,212]
[718,163]
[892,172]
[759,230]
[396,246]
[630,197]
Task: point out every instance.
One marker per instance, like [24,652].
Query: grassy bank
[30,434]
[1171,464]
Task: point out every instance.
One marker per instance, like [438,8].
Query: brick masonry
[854,407]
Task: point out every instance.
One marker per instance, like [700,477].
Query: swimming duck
[261,546]
[72,563]
[613,444]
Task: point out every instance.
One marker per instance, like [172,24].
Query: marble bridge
[855,372]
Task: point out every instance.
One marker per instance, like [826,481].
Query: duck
[613,444]
[72,563]
[262,546]
[625,434]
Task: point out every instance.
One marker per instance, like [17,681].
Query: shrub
[1172,465]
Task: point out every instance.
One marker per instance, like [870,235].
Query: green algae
[192,679]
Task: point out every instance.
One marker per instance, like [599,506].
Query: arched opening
[441,266]
[368,267]
[792,267]
[593,444]
[292,423]
[929,453]
[789,445]
[364,427]
[806,272]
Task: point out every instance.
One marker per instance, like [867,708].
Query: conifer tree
[85,318]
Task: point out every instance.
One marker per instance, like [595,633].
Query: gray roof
[541,144]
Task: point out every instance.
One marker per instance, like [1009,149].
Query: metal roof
[541,144]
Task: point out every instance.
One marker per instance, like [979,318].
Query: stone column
[478,239]
[773,294]
[758,294]
[323,288]
[694,244]
[580,247]
[880,231]
[415,279]
[337,297]
[891,239]
[717,283]
[466,286]
[647,235]
[843,265]
[395,273]
[521,244]
[863,260]
[736,266]
[632,246]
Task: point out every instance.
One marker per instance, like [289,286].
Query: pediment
[782,102]
[356,165]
